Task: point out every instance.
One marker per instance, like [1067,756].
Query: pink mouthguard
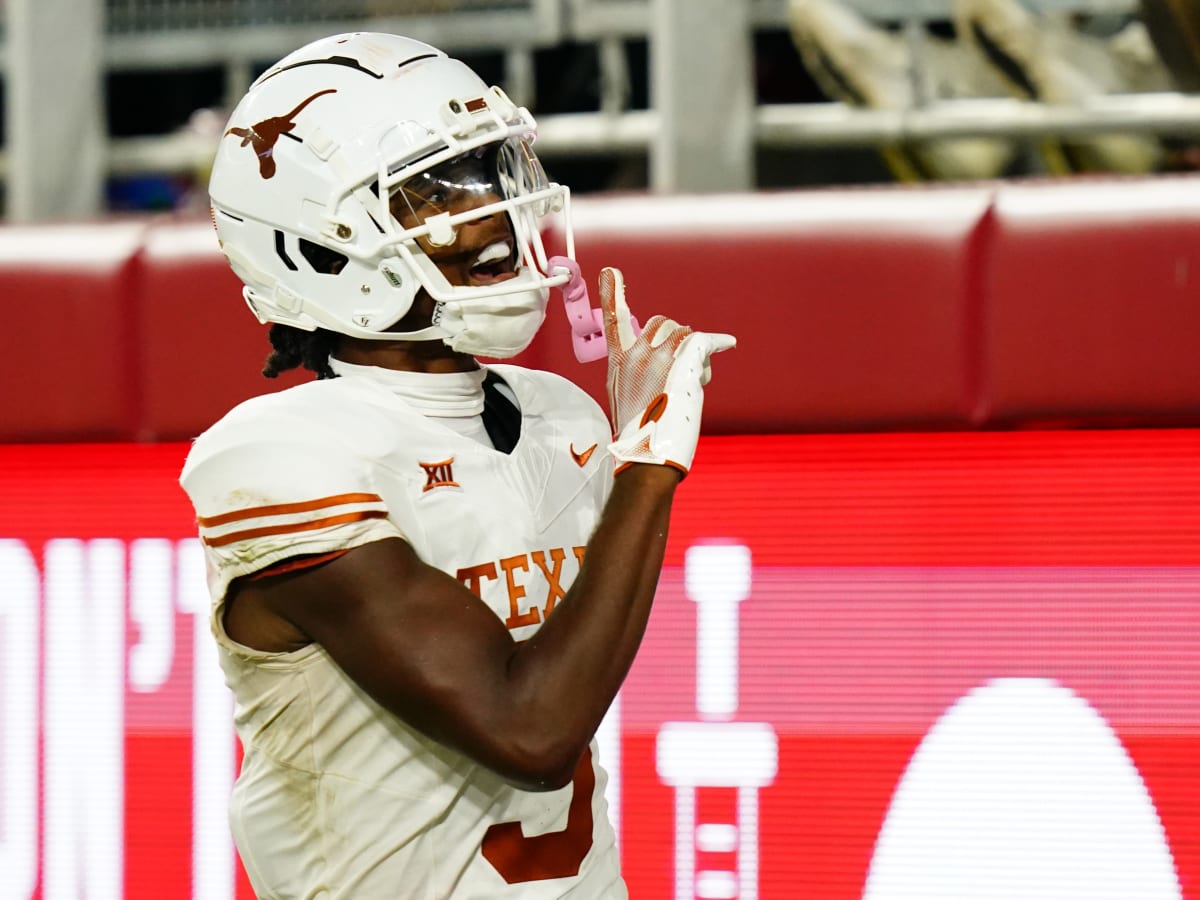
[587,324]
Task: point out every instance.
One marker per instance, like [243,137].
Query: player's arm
[427,649]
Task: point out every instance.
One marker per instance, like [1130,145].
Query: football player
[429,575]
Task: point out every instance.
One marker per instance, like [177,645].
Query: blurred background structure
[116,105]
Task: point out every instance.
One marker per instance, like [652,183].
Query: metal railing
[467,23]
[156,16]
[242,34]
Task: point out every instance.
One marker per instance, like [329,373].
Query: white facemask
[497,327]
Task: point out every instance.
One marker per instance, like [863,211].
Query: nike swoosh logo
[581,459]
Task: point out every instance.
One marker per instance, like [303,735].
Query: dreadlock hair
[294,347]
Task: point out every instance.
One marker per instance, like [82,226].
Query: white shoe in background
[1046,58]
[862,64]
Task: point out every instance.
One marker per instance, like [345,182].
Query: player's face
[484,250]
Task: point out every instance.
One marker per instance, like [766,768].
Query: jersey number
[558,854]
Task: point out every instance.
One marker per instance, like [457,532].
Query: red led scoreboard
[882,666]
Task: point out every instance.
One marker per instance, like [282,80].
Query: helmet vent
[281,252]
[413,59]
[322,259]
[328,61]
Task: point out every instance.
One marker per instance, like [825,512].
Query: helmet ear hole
[323,259]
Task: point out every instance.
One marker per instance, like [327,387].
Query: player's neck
[404,356]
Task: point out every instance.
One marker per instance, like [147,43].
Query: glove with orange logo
[655,382]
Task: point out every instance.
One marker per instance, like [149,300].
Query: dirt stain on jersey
[264,135]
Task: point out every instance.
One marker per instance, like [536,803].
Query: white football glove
[654,382]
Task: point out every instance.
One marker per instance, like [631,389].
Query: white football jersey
[337,797]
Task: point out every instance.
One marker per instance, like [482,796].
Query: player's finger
[618,324]
[699,347]
[707,343]
[718,342]
[660,329]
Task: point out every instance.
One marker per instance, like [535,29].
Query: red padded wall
[205,350]
[851,308]
[1091,303]
[72,370]
[990,306]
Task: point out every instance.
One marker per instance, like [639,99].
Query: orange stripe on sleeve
[280,509]
[234,536]
[296,564]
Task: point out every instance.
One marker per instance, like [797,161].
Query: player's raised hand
[655,381]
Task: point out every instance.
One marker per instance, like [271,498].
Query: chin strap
[587,323]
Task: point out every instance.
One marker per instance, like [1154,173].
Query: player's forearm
[570,671]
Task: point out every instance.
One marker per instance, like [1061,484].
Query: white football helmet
[350,155]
